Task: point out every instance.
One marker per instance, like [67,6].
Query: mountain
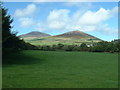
[34,34]
[76,34]
[69,38]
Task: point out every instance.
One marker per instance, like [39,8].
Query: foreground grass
[47,69]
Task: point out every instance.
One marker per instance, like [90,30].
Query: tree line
[103,46]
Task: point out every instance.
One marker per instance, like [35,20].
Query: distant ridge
[76,34]
[34,34]
[69,38]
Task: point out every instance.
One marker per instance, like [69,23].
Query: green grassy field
[47,69]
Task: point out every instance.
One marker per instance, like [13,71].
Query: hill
[69,38]
[33,35]
[76,34]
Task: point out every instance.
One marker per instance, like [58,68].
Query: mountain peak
[34,34]
[76,34]
[76,31]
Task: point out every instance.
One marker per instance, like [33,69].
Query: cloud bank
[88,21]
[25,15]
[62,20]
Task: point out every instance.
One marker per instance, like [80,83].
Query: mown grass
[49,69]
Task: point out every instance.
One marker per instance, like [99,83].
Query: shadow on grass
[20,58]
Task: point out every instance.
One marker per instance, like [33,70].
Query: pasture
[63,40]
[59,69]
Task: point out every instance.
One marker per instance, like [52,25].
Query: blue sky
[99,19]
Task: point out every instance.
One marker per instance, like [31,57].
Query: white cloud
[114,10]
[26,22]
[82,5]
[88,28]
[57,19]
[90,18]
[85,21]
[64,20]
[41,26]
[105,29]
[24,15]
[29,10]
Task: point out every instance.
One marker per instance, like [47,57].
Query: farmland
[57,40]
[68,38]
[59,69]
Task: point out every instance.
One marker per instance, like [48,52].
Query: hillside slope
[76,34]
[33,35]
[69,38]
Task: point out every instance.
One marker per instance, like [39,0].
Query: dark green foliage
[60,46]
[54,47]
[99,47]
[10,41]
[45,48]
[84,47]
[76,48]
[104,46]
[70,48]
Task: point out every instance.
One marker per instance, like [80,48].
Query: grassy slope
[56,40]
[46,69]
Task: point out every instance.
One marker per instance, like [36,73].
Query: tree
[69,47]
[10,41]
[54,47]
[84,47]
[60,46]
[7,36]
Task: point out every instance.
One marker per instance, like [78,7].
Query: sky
[99,19]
